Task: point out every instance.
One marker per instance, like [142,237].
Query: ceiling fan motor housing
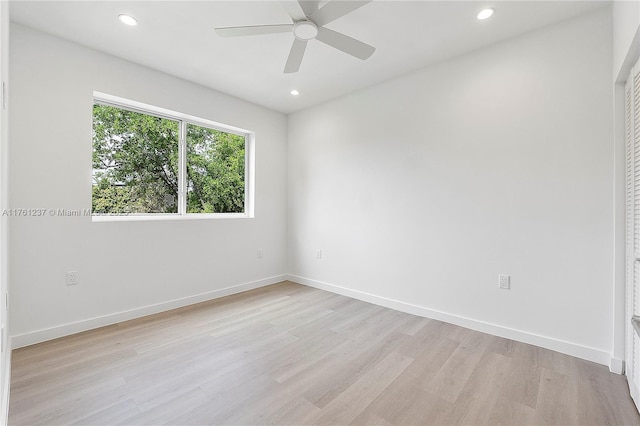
[305,30]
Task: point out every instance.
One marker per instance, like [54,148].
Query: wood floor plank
[413,325]
[70,407]
[450,380]
[430,359]
[428,335]
[489,377]
[618,394]
[593,406]
[369,419]
[406,402]
[508,412]
[238,398]
[290,354]
[306,356]
[332,386]
[118,413]
[288,413]
[166,414]
[557,399]
[353,401]
[522,382]
[64,377]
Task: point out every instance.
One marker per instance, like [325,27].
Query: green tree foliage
[135,165]
[135,162]
[215,171]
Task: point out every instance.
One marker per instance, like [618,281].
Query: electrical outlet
[259,254]
[73,278]
[504,282]
[319,254]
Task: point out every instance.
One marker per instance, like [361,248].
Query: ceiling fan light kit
[308,24]
[305,30]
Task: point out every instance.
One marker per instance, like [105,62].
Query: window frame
[183,120]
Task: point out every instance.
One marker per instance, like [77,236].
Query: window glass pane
[135,162]
[215,171]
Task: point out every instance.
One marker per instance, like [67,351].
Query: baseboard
[4,386]
[616,366]
[573,349]
[43,335]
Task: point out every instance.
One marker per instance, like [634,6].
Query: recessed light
[295,92]
[128,20]
[486,13]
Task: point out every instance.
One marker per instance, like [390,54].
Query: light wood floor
[288,354]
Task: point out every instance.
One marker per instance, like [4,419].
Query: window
[215,171]
[152,162]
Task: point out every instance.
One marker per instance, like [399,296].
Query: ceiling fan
[309,22]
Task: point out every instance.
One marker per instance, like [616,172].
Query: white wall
[421,190]
[626,50]
[626,31]
[5,355]
[123,265]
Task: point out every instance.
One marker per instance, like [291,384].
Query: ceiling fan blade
[345,43]
[254,30]
[295,56]
[294,9]
[336,9]
[309,6]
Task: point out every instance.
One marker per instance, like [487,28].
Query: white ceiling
[177,37]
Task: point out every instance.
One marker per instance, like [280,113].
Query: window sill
[169,217]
